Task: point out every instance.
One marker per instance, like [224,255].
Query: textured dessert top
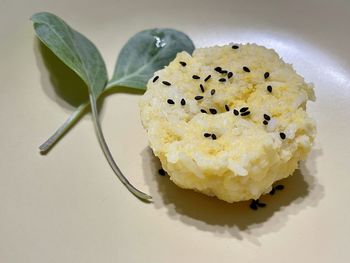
[228,121]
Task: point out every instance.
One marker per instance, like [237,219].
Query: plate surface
[67,206]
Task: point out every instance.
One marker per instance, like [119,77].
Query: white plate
[68,206]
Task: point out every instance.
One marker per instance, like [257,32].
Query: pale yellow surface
[68,206]
[247,156]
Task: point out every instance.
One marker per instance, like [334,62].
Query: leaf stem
[108,154]
[72,119]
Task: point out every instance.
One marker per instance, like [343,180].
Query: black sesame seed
[222,80]
[166,83]
[261,204]
[202,88]
[206,135]
[218,69]
[213,136]
[212,92]
[235,47]
[235,112]
[213,111]
[246,69]
[196,77]
[183,63]
[267,117]
[265,122]
[183,102]
[155,78]
[223,71]
[207,78]
[245,113]
[279,187]
[244,109]
[229,75]
[203,111]
[269,88]
[170,101]
[266,75]
[198,97]
[161,172]
[272,192]
[253,206]
[282,135]
[227,108]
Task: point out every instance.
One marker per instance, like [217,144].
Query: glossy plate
[68,206]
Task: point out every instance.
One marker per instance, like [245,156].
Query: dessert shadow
[300,192]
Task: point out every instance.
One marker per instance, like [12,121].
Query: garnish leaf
[74,49]
[145,53]
[81,55]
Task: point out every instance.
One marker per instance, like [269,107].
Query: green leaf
[80,55]
[74,49]
[145,53]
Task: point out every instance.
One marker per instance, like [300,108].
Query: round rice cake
[228,121]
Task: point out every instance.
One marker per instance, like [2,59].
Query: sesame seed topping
[272,192]
[265,122]
[183,63]
[222,80]
[253,205]
[196,77]
[166,83]
[235,112]
[223,71]
[206,135]
[213,136]
[245,113]
[155,78]
[282,135]
[198,97]
[261,204]
[203,111]
[267,117]
[266,75]
[269,88]
[235,47]
[244,109]
[170,101]
[279,187]
[202,88]
[218,69]
[227,108]
[246,69]
[229,75]
[212,92]
[161,172]
[213,111]
[207,78]
[183,102]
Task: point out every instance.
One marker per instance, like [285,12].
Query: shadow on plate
[210,214]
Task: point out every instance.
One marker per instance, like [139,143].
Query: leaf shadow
[59,82]
[302,191]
